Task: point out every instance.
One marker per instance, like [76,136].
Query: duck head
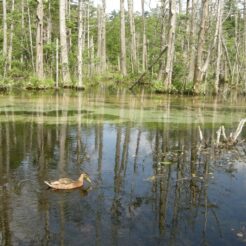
[84,176]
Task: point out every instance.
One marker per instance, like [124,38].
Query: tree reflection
[149,177]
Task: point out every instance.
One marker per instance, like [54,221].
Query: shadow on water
[151,183]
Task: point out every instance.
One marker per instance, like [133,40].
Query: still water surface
[152,185]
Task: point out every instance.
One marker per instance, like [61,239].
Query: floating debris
[164,163]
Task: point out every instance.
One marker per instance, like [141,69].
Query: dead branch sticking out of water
[222,141]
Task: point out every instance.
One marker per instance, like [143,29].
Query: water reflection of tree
[178,194]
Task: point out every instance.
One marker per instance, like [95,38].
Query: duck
[67,183]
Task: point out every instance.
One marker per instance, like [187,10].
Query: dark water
[152,185]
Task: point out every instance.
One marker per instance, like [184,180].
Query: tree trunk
[122,39]
[63,43]
[11,37]
[192,28]
[57,64]
[133,36]
[49,24]
[22,28]
[219,44]
[171,45]
[88,38]
[5,39]
[99,38]
[80,45]
[30,35]
[144,55]
[39,41]
[198,73]
[163,37]
[103,54]
[92,57]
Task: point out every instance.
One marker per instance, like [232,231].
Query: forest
[192,46]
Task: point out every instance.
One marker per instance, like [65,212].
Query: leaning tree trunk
[39,41]
[171,45]
[122,39]
[80,45]
[63,42]
[198,73]
[133,36]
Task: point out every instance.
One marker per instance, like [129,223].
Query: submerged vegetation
[193,46]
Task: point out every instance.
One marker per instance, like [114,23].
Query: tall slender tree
[219,44]
[5,28]
[198,73]
[122,39]
[171,45]
[99,37]
[103,54]
[80,45]
[144,55]
[133,36]
[10,46]
[39,40]
[63,44]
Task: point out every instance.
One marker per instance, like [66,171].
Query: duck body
[68,184]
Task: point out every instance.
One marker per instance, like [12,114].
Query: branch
[149,68]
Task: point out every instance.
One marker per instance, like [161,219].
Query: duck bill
[88,179]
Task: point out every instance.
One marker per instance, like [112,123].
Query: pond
[151,182]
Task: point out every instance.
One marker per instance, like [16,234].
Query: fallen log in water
[222,140]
